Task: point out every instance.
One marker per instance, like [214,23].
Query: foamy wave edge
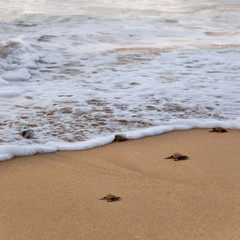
[10,151]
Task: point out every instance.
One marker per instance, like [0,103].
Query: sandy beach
[56,196]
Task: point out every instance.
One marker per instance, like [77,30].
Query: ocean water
[78,72]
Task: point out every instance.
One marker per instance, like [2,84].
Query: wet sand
[56,196]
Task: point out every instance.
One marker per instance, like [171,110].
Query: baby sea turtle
[219,130]
[177,157]
[119,138]
[27,134]
[110,198]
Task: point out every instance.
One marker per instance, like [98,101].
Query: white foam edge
[9,151]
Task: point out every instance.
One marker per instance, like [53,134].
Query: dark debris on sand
[110,198]
[219,130]
[177,157]
[120,138]
[27,133]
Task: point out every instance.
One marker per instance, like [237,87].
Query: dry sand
[55,196]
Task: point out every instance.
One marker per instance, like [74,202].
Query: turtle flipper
[104,198]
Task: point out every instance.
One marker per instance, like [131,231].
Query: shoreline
[56,195]
[30,147]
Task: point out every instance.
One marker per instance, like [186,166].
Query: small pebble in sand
[177,157]
[110,198]
[27,134]
[119,138]
[219,130]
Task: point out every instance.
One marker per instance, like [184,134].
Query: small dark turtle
[219,130]
[27,134]
[110,198]
[177,157]
[119,138]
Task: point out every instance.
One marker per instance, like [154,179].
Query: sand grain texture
[55,196]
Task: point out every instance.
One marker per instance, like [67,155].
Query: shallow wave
[83,70]
[122,90]
[17,59]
